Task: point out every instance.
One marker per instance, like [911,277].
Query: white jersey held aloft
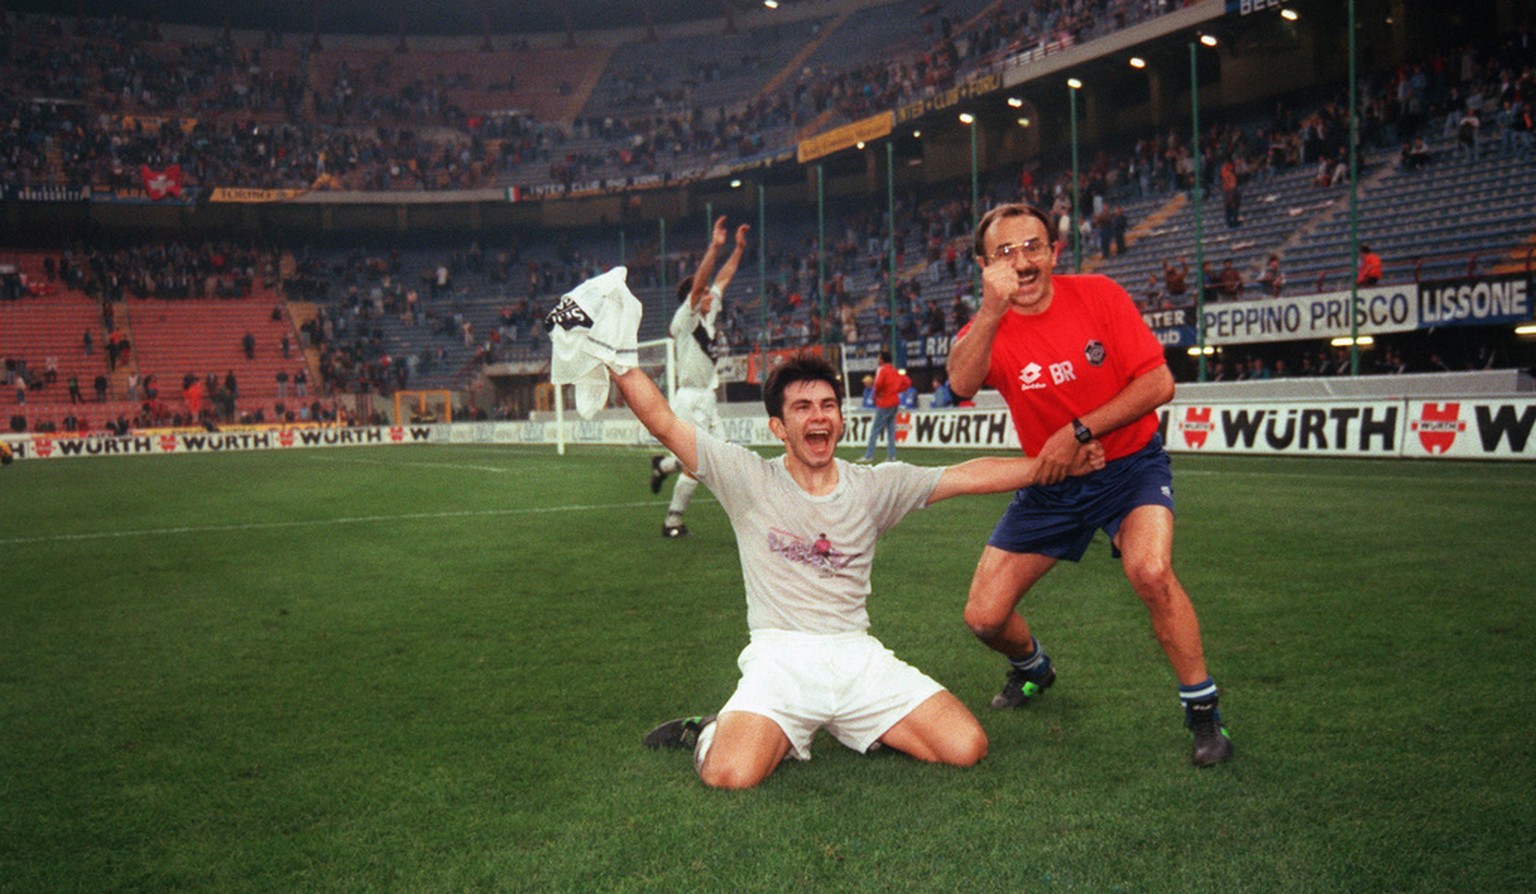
[595,327]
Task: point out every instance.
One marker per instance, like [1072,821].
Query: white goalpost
[658,357]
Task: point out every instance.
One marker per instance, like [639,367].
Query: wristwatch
[1081,431]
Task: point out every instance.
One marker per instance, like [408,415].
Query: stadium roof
[424,17]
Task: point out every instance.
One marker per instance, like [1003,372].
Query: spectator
[1231,198]
[1415,155]
[1154,291]
[1273,278]
[1466,135]
[1231,280]
[248,345]
[1176,279]
[1369,273]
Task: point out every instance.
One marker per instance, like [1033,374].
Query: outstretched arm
[651,408]
[728,270]
[706,271]
[999,474]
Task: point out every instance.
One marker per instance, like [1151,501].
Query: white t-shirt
[695,337]
[806,560]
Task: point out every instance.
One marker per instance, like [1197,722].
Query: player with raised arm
[1075,362]
[693,332]
[806,524]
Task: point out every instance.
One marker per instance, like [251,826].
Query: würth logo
[1196,426]
[1438,425]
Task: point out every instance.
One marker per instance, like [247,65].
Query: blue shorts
[1059,520]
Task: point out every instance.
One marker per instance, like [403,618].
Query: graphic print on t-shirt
[818,554]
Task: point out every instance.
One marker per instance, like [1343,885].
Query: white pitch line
[313,523]
[500,470]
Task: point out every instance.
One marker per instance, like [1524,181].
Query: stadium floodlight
[771,4]
[1527,329]
[1344,341]
[1015,102]
[1290,15]
[1208,40]
[1138,62]
[969,121]
[1024,122]
[1074,85]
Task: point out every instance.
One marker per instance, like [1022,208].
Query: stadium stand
[348,113]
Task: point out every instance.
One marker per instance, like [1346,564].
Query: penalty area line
[462,467]
[316,523]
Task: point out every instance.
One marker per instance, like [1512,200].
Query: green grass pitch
[428,669]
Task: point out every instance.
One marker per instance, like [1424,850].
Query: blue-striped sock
[1034,665]
[1203,694]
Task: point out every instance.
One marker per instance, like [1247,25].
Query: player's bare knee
[724,775]
[986,625]
[1153,581]
[969,750]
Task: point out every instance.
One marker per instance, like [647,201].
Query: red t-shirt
[1370,269]
[1053,367]
[888,386]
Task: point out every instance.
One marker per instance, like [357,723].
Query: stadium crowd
[120,99]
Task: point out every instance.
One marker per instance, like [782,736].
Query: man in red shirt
[888,387]
[1370,267]
[1075,363]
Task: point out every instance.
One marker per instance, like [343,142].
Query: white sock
[701,747]
[682,493]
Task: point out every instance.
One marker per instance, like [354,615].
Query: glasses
[1030,250]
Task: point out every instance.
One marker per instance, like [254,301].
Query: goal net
[657,357]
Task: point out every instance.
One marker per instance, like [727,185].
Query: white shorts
[697,405]
[846,682]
